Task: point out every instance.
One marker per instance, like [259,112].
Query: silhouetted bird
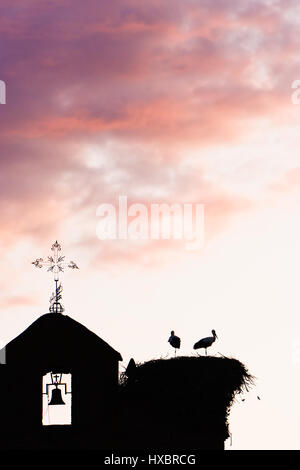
[174,341]
[206,342]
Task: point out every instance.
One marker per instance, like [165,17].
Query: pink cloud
[290,181]
[144,81]
[17,301]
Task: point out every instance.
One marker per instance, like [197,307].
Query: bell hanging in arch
[56,398]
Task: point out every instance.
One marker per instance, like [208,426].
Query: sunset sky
[174,101]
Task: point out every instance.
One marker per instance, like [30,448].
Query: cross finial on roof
[56,264]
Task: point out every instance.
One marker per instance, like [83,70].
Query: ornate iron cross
[55,264]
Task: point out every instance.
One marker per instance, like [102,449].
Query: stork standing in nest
[206,342]
[174,341]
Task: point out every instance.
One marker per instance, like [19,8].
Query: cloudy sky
[174,101]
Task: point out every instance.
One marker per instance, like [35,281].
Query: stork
[206,342]
[174,341]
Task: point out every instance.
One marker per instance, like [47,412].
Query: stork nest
[188,389]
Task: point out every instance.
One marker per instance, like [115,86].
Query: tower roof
[56,340]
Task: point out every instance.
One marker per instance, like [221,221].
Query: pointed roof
[57,340]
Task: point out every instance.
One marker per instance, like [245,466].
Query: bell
[56,398]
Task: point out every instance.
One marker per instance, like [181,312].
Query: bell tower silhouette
[56,344]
